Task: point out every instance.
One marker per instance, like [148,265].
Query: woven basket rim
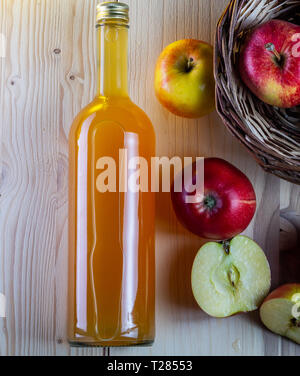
[271,135]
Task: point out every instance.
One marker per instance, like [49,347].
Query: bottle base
[85,343]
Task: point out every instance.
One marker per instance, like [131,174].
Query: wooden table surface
[48,75]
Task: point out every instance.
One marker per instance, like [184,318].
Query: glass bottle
[111,226]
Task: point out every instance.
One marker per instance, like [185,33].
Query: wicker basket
[272,135]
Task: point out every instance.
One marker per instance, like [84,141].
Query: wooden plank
[29,176]
[49,74]
[78,71]
[182,329]
[289,245]
[266,233]
[3,328]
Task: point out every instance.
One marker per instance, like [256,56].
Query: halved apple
[230,277]
[280,312]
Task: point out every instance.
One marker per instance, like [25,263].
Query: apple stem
[226,246]
[190,64]
[270,47]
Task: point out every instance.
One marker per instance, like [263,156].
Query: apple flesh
[269,63]
[230,278]
[184,80]
[280,312]
[228,204]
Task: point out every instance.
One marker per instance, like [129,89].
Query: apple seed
[233,276]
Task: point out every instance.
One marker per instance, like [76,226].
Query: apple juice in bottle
[111,226]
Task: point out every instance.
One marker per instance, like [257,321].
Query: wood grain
[289,244]
[48,75]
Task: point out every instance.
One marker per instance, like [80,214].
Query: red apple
[269,63]
[280,312]
[184,80]
[228,204]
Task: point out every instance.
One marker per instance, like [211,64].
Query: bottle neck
[112,60]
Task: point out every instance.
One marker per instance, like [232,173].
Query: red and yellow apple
[230,278]
[280,312]
[184,80]
[269,63]
[224,209]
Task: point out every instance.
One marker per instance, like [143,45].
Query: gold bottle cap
[112,11]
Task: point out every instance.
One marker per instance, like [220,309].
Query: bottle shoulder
[119,110]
